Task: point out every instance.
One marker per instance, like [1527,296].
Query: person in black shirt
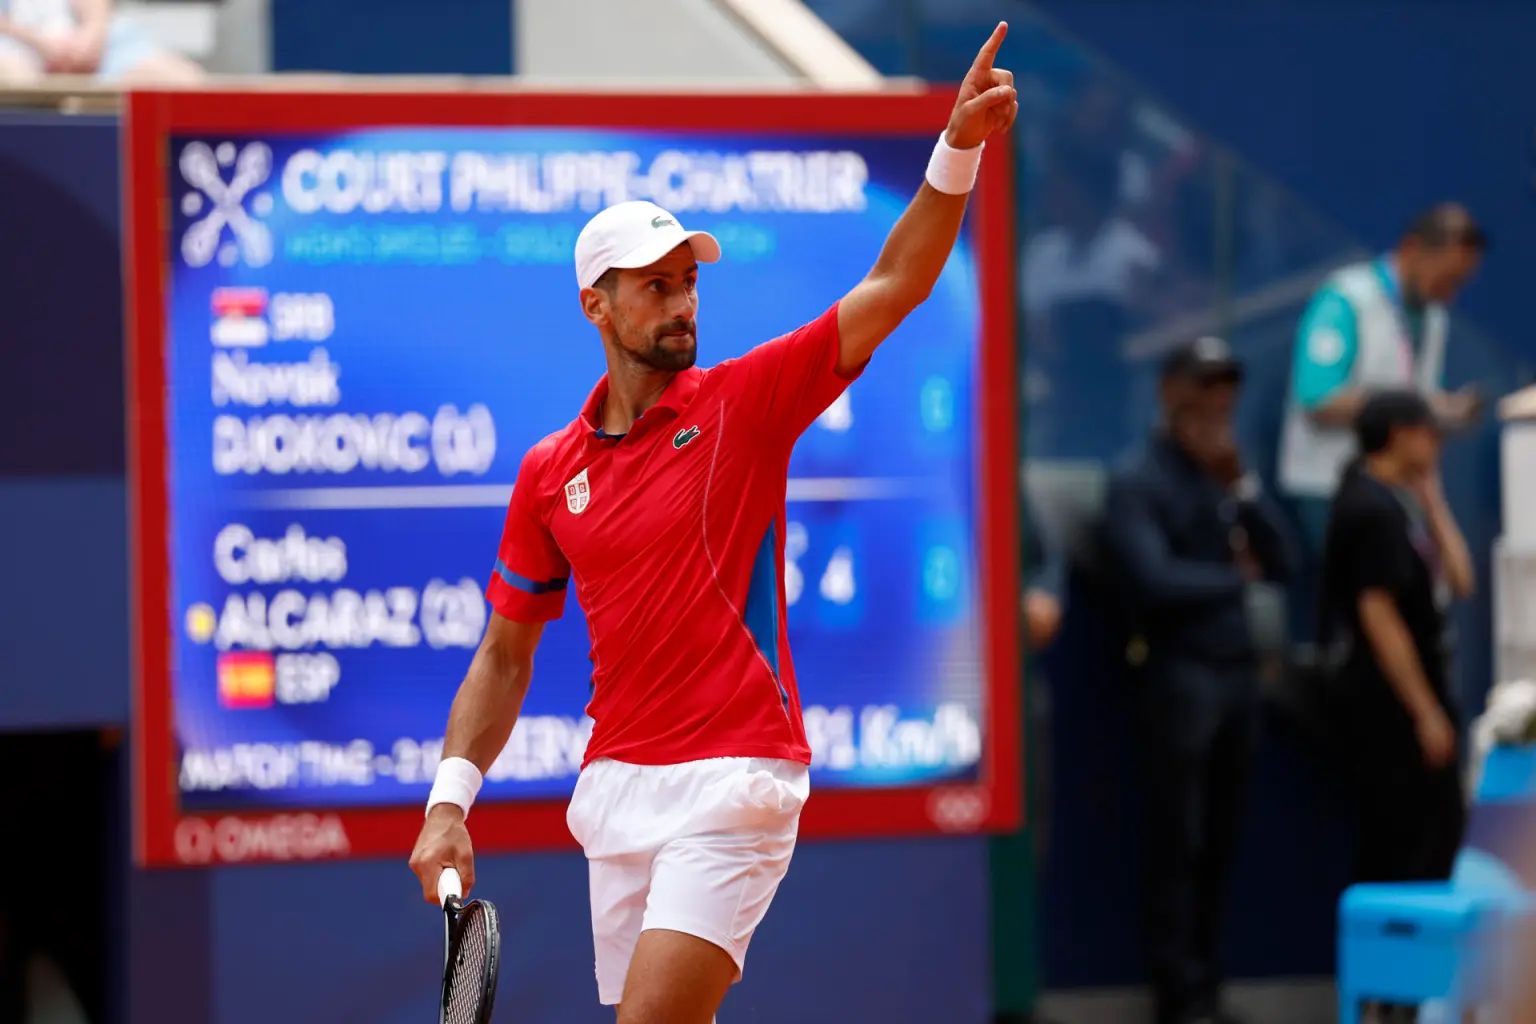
[1393,557]
[1189,530]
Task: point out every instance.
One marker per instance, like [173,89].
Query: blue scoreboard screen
[347,334]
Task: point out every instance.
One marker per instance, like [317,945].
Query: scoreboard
[352,315]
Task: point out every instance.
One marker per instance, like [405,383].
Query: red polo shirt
[675,535]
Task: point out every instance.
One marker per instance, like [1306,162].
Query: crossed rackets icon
[200,169]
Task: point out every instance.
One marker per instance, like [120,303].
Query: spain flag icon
[247,679]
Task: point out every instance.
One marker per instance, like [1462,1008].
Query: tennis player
[664,499]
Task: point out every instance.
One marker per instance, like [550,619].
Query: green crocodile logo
[661,222]
[684,436]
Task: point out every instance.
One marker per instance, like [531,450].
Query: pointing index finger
[989,49]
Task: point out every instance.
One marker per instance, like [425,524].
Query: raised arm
[1455,557]
[479,724]
[919,244]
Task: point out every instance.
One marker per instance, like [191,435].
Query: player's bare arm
[479,724]
[918,246]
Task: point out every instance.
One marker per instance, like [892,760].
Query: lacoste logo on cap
[661,222]
[684,436]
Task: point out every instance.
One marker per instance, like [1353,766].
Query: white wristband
[458,782]
[951,170]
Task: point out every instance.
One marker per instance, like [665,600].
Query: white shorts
[698,847]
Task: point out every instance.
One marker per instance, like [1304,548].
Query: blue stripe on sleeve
[526,585]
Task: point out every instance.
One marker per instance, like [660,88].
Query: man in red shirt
[665,500]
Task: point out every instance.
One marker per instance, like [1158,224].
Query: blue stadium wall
[1369,109]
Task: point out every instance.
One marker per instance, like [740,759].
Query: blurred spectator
[1190,530]
[1394,557]
[1374,326]
[82,37]
[1098,118]
[1083,278]
[1088,261]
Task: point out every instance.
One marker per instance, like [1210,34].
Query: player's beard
[671,347]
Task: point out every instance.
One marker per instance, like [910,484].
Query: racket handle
[449,884]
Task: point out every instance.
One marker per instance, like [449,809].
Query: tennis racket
[473,940]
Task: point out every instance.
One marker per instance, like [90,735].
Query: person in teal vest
[1371,327]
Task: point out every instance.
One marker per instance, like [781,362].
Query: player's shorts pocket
[579,814]
[767,795]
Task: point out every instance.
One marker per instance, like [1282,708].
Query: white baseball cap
[634,234]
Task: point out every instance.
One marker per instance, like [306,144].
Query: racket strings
[467,995]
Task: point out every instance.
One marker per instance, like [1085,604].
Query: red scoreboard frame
[166,835]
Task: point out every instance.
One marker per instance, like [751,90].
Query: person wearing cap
[1393,560]
[664,501]
[1190,529]
[1374,326]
